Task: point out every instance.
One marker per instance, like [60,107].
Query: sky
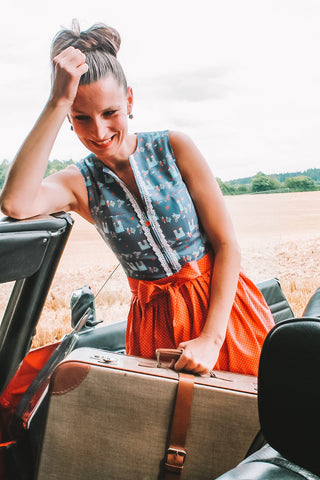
[241,77]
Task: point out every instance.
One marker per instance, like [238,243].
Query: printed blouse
[157,240]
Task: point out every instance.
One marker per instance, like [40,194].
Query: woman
[154,200]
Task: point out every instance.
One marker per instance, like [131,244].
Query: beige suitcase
[109,417]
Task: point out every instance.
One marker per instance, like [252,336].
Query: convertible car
[269,432]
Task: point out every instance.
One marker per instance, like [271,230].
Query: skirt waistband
[145,290]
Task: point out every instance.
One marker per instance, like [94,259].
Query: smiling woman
[168,227]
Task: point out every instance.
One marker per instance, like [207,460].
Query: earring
[130,116]
[71,128]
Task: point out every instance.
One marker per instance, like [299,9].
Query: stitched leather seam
[74,385]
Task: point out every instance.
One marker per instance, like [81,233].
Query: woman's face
[99,117]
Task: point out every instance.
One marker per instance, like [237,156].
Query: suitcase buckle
[175,459]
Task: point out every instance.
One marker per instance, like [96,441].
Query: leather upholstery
[110,337]
[289,394]
[276,300]
[24,245]
[288,402]
[267,464]
[313,307]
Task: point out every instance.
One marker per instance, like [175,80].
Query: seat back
[276,299]
[289,393]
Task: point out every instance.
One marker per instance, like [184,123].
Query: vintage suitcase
[109,418]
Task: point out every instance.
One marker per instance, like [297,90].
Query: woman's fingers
[71,58]
[68,67]
[71,62]
[188,363]
[199,356]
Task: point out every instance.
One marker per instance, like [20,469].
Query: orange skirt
[174,309]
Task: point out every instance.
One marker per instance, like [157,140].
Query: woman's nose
[100,129]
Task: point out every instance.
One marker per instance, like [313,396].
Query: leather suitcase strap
[176,453]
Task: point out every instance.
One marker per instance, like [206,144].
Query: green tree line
[52,167]
[306,180]
[313,173]
[299,182]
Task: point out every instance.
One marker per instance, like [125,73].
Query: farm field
[279,235]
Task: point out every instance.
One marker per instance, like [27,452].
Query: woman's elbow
[12,213]
[13,210]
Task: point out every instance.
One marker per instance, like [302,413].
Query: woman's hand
[68,67]
[199,355]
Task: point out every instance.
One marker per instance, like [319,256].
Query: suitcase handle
[169,356]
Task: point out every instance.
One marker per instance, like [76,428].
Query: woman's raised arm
[25,193]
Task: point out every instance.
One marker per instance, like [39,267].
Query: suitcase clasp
[106,359]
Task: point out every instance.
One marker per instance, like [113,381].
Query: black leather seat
[289,404]
[268,464]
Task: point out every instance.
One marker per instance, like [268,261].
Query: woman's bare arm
[25,193]
[201,354]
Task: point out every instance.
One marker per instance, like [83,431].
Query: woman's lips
[104,143]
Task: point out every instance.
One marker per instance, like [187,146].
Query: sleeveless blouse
[155,241]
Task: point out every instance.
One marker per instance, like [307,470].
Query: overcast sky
[242,77]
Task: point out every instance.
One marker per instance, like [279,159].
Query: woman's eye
[82,118]
[108,113]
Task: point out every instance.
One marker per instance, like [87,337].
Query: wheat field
[279,236]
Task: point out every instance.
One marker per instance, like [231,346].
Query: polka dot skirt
[171,310]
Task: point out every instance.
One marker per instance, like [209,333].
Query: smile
[104,143]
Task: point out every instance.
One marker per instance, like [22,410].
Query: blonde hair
[100,43]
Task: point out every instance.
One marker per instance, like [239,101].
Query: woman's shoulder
[69,176]
[173,137]
[147,136]
[179,138]
[180,142]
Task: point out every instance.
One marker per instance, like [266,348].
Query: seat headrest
[289,391]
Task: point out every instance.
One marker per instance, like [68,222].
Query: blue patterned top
[157,240]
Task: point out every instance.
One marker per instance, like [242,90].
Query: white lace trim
[174,259]
[146,229]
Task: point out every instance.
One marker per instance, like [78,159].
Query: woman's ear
[69,120]
[129,100]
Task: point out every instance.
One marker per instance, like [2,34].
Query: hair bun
[100,43]
[99,37]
